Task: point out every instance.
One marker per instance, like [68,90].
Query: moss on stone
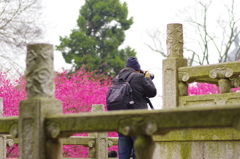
[209,100]
[185,150]
[200,135]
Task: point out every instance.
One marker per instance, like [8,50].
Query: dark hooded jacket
[142,87]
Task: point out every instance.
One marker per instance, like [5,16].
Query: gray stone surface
[101,141]
[2,147]
[171,64]
[197,150]
[1,107]
[35,141]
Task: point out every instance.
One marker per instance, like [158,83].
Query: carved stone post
[3,147]
[224,85]
[101,145]
[2,137]
[40,102]
[171,64]
[1,107]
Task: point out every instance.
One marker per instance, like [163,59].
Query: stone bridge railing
[198,143]
[139,123]
[7,140]
[91,141]
[41,124]
[177,75]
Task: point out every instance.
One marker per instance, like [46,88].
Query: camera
[144,72]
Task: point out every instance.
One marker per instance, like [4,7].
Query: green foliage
[100,31]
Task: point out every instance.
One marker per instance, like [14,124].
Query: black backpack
[119,96]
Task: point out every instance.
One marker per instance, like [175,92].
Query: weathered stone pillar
[2,137]
[171,64]
[1,107]
[40,102]
[3,147]
[224,85]
[100,148]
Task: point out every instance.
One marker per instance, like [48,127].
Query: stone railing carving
[143,128]
[183,76]
[210,73]
[10,142]
[92,149]
[137,125]
[40,79]
[224,75]
[235,82]
[174,41]
[221,72]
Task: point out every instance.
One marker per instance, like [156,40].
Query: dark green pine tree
[95,42]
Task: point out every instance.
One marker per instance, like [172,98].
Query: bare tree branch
[206,37]
[156,36]
[20,23]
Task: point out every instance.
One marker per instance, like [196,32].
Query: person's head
[133,63]
[112,154]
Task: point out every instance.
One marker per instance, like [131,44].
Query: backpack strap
[130,77]
[116,79]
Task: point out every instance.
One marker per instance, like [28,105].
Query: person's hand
[146,74]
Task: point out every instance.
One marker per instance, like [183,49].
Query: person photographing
[142,89]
